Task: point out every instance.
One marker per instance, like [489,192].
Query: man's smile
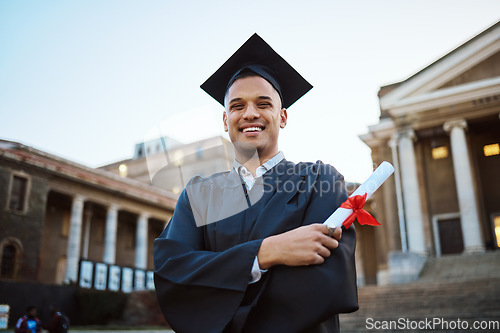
[252,128]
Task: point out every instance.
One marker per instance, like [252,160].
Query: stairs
[465,287]
[462,267]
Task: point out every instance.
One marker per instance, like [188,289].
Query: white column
[141,243]
[360,271]
[469,218]
[86,239]
[110,240]
[411,193]
[74,239]
[399,196]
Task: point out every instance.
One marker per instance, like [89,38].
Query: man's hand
[307,245]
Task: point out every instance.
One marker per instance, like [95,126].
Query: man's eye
[264,105]
[237,106]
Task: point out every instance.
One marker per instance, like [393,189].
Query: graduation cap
[256,56]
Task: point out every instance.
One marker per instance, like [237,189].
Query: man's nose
[251,112]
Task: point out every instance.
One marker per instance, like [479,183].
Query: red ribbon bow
[356,203]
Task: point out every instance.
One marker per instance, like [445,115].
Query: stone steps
[450,288]
[462,267]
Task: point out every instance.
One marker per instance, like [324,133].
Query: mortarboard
[257,56]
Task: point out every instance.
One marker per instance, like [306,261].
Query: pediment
[489,68]
[474,66]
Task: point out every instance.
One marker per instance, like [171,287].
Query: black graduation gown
[202,274]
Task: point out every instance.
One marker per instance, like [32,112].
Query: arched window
[61,269]
[11,251]
[8,267]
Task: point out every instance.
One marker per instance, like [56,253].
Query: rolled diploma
[377,178]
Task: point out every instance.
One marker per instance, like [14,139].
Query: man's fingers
[337,234]
[330,243]
[324,252]
[306,245]
[333,232]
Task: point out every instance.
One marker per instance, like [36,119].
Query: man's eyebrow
[235,100]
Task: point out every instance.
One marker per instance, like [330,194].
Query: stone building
[61,222]
[169,164]
[441,130]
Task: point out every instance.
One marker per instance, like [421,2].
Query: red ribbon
[356,203]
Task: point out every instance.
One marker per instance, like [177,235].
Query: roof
[391,86]
[100,179]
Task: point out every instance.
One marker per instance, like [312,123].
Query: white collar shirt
[250,179]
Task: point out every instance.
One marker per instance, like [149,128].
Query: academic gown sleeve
[199,290]
[310,297]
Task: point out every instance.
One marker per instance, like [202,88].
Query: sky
[86,80]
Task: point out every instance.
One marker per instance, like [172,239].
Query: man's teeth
[252,129]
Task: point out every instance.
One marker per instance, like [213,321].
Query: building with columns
[169,164]
[62,222]
[441,130]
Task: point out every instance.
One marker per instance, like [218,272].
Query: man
[28,323]
[59,323]
[246,250]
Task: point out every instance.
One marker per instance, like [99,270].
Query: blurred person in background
[28,323]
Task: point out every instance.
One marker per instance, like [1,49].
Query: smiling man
[253,118]
[246,250]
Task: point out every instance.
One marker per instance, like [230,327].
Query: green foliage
[100,307]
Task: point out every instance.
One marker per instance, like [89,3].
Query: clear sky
[87,79]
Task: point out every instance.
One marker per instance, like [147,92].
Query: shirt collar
[262,169]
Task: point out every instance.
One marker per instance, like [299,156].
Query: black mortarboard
[257,56]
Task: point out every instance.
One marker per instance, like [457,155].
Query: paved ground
[127,331]
[105,331]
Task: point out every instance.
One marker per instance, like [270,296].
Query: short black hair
[254,71]
[241,75]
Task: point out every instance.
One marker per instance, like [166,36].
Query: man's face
[254,116]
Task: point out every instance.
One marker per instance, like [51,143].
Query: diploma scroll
[377,178]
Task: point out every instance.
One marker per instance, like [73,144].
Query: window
[60,269]
[439,152]
[11,253]
[131,230]
[496,222]
[18,193]
[8,267]
[97,231]
[66,217]
[491,150]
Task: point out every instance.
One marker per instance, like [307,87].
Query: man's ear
[224,120]
[283,118]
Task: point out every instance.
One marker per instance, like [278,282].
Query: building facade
[441,130]
[64,223]
[169,165]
